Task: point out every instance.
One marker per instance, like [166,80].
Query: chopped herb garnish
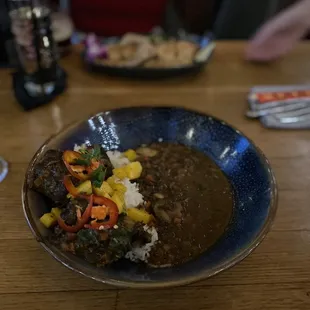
[87,155]
[98,176]
[82,162]
[92,153]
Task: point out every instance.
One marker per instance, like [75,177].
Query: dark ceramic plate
[206,50]
[244,164]
[145,73]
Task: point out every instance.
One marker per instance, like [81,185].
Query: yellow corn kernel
[119,200]
[131,155]
[111,181]
[133,170]
[107,188]
[119,187]
[48,220]
[83,188]
[56,212]
[120,195]
[104,189]
[120,173]
[107,196]
[138,215]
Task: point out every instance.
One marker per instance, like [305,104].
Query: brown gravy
[191,197]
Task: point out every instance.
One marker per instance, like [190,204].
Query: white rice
[133,197]
[117,159]
[78,148]
[142,253]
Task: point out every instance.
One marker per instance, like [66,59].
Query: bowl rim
[203,275]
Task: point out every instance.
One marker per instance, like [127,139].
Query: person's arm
[279,35]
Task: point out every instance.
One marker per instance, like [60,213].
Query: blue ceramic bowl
[246,167]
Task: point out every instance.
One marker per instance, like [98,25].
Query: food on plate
[134,38]
[162,204]
[48,175]
[139,50]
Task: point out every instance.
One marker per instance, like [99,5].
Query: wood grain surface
[275,276]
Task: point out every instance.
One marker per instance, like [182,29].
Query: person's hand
[279,35]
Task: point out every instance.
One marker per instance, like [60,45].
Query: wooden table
[275,276]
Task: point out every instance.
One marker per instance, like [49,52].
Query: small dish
[200,59]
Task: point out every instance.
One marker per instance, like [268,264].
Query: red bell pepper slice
[77,171]
[70,187]
[112,212]
[71,156]
[80,222]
